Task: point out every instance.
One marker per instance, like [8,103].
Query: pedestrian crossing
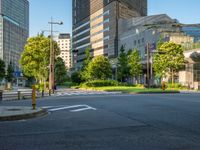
[82,93]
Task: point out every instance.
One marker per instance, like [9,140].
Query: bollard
[49,92]
[34,97]
[1,95]
[19,95]
[163,85]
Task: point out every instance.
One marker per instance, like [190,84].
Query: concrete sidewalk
[189,92]
[11,113]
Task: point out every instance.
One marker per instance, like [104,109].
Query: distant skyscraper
[14,29]
[64,43]
[95,25]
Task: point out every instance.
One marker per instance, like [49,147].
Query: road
[108,122]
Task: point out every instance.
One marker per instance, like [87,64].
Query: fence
[20,95]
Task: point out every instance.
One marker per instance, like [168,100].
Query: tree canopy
[195,56]
[2,69]
[60,71]
[122,66]
[99,68]
[169,59]
[83,72]
[9,74]
[134,61]
[35,57]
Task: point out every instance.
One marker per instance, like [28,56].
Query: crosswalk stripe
[78,93]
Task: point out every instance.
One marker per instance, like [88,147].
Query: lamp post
[52,57]
[148,66]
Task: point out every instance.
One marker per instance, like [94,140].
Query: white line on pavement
[82,109]
[86,107]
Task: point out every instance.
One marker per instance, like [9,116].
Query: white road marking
[78,93]
[82,109]
[79,108]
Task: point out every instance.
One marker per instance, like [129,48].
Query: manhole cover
[13,109]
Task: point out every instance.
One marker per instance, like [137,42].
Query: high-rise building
[14,30]
[64,43]
[95,25]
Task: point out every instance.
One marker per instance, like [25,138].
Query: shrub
[139,85]
[175,85]
[76,77]
[68,84]
[100,83]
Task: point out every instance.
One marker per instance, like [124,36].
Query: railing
[21,95]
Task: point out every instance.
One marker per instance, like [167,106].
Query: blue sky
[186,11]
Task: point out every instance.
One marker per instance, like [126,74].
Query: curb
[170,92]
[39,113]
[175,92]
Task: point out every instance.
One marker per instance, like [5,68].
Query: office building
[14,30]
[136,32]
[95,25]
[64,43]
[193,31]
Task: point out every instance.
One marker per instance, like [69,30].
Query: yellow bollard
[163,85]
[34,97]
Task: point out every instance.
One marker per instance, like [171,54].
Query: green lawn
[129,89]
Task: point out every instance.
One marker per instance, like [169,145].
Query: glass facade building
[95,25]
[14,30]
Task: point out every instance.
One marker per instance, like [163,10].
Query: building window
[142,40]
[135,42]
[138,41]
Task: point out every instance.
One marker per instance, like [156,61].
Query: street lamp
[52,57]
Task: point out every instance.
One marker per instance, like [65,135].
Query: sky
[41,11]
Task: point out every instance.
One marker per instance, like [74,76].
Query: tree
[160,42]
[87,60]
[99,68]
[9,74]
[195,56]
[122,66]
[135,64]
[60,71]
[2,70]
[169,59]
[35,58]
[76,77]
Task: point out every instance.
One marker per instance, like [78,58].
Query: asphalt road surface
[107,122]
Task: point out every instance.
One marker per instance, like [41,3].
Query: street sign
[18,74]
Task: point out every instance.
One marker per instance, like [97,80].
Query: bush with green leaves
[100,83]
[76,77]
[175,85]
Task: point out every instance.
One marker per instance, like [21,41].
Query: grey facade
[137,32]
[95,25]
[14,30]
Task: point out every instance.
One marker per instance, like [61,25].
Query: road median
[12,113]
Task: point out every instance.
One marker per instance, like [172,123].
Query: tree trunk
[172,78]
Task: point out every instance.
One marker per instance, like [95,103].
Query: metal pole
[51,74]
[151,70]
[148,75]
